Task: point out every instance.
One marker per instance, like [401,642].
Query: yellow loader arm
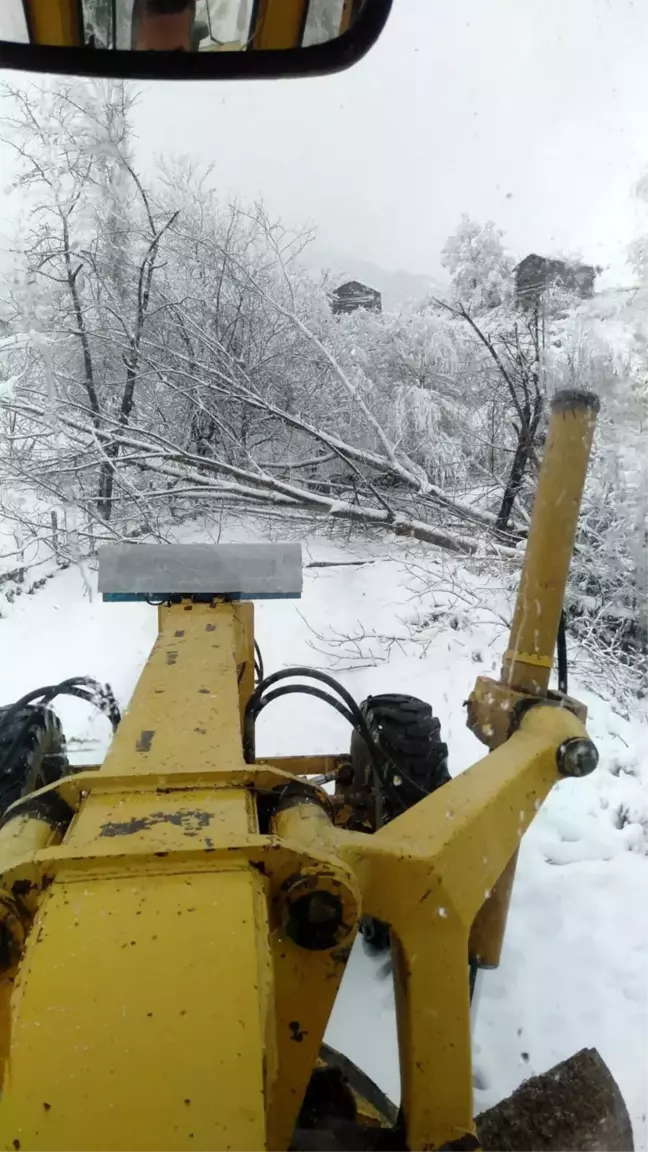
[175,924]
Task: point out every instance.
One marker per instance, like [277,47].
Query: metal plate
[169,571]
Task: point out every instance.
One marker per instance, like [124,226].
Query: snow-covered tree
[163,351]
[638,250]
[479,265]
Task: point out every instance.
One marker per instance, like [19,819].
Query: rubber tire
[409,736]
[39,757]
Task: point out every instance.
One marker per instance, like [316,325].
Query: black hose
[311,674]
[90,691]
[258,663]
[562,653]
[307,690]
[351,713]
[257,703]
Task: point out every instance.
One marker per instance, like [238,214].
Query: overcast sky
[528,112]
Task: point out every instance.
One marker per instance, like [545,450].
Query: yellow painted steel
[350,10]
[155,994]
[121,1011]
[528,661]
[144,954]
[22,835]
[488,927]
[307,765]
[180,717]
[166,899]
[170,857]
[164,891]
[54,22]
[427,874]
[279,25]
[306,984]
[307,981]
[243,614]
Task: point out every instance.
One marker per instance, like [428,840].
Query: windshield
[337,311]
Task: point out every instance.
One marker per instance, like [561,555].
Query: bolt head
[577,757]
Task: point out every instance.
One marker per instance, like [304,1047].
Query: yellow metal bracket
[175,925]
[166,835]
[427,874]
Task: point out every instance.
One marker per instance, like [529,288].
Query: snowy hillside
[388,619]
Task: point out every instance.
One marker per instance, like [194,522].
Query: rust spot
[201,731]
[210,628]
[296,1032]
[161,853]
[171,656]
[180,632]
[204,691]
[16,1144]
[187,1100]
[191,820]
[145,740]
[46,1106]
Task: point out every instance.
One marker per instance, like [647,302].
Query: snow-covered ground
[575,966]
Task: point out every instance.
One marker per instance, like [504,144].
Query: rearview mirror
[188,39]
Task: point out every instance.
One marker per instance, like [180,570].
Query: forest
[165,351]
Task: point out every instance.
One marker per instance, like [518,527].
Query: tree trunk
[107,482]
[526,436]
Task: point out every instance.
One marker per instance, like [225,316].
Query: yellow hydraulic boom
[176,923]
